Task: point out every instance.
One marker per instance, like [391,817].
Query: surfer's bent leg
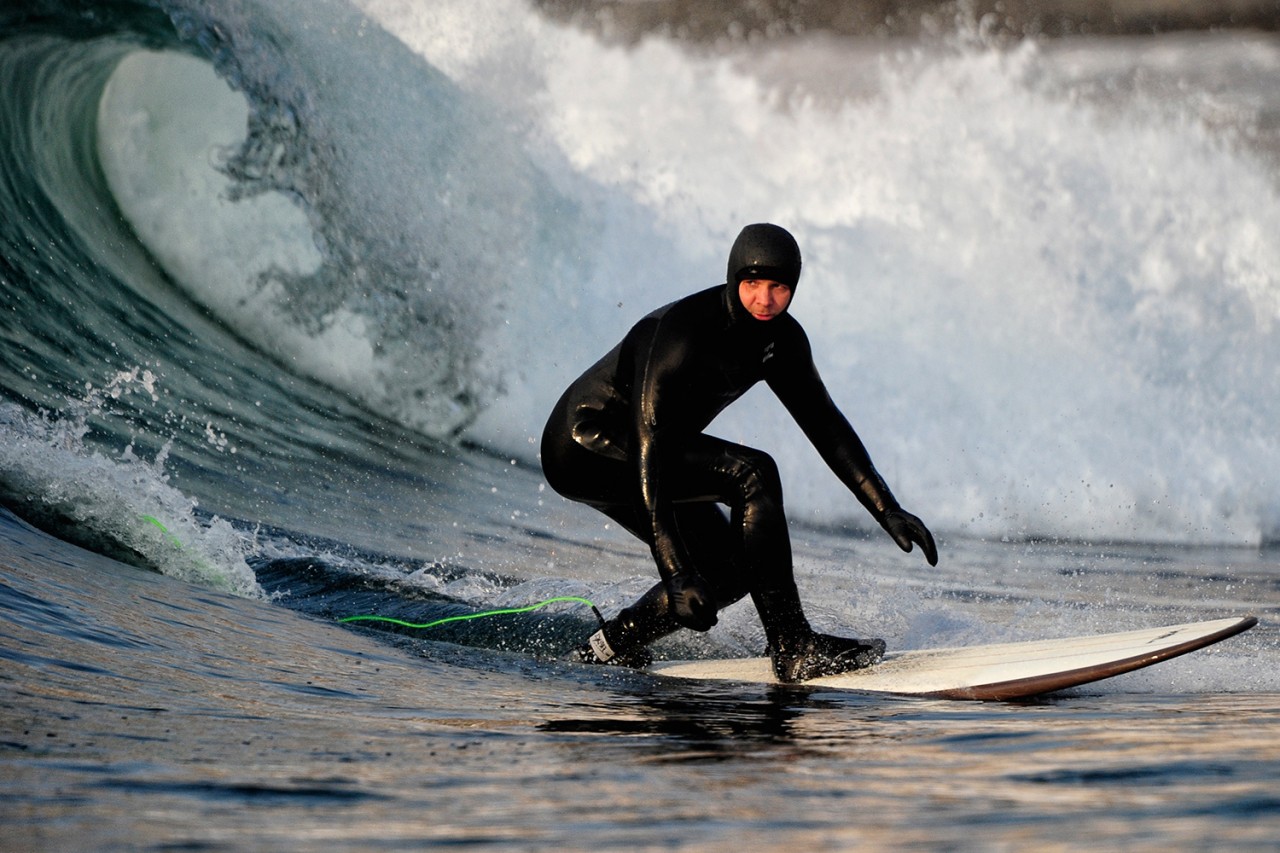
[750,551]
[747,481]
[706,531]
[606,484]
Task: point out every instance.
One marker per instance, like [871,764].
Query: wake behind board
[994,672]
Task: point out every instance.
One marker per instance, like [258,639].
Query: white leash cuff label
[603,651]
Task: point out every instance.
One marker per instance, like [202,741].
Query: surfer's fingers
[930,547]
[922,536]
[907,531]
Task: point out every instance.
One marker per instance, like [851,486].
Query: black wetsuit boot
[623,640]
[799,653]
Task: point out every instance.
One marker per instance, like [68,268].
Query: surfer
[627,438]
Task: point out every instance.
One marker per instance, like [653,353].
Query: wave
[1034,274]
[1049,306]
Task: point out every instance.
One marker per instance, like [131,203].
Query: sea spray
[1043,302]
[122,506]
[364,223]
[1048,307]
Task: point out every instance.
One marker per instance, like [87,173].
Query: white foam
[1049,312]
[118,502]
[165,123]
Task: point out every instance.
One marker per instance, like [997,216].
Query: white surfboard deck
[993,672]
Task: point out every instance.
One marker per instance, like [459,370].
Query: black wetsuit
[627,438]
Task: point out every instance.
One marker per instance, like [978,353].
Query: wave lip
[333,200]
[423,210]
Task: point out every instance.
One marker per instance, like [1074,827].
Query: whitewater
[289,288]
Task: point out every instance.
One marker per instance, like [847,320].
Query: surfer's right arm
[659,356]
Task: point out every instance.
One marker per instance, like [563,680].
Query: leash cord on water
[481,615]
[150,519]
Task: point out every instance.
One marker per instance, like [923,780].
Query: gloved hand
[691,602]
[906,529]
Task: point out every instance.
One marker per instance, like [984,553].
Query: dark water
[140,712]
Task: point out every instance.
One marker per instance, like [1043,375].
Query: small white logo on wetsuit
[768,353]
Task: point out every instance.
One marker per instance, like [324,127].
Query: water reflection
[711,723]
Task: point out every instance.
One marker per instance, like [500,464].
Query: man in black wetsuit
[627,438]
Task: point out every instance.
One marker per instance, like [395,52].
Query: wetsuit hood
[764,251]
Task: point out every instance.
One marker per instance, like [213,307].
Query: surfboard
[992,672]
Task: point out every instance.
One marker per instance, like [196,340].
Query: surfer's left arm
[796,382]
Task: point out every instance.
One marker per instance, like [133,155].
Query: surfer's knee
[755,475]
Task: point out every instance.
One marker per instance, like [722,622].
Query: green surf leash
[484,614]
[508,611]
[151,519]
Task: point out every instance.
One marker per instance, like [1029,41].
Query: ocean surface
[287,288]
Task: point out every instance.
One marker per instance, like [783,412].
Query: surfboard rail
[994,672]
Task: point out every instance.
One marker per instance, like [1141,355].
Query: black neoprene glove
[906,529]
[691,601]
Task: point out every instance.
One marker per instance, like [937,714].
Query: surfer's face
[764,299]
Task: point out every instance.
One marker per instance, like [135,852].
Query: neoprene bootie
[797,651]
[624,639]
[609,645]
[802,658]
